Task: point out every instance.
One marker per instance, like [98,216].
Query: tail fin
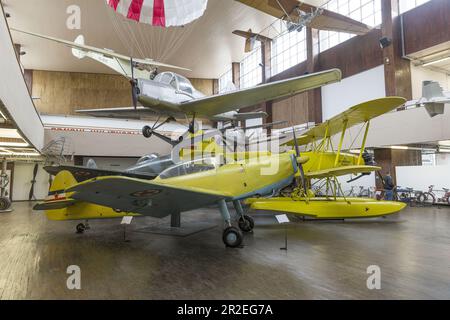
[62,181]
[80,54]
[57,198]
[432,89]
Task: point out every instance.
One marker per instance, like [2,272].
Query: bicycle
[430,197]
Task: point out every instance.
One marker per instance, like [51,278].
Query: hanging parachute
[163,13]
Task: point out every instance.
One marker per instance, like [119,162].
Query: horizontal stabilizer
[54,205]
[435,108]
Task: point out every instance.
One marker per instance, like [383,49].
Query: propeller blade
[134,89]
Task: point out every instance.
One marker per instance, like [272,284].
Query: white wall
[13,90]
[420,177]
[420,74]
[23,174]
[443,159]
[86,136]
[365,86]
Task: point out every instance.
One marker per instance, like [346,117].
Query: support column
[397,70]
[314,96]
[266,54]
[236,74]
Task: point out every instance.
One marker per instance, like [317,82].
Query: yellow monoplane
[209,181]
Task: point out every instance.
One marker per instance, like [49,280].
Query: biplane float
[210,181]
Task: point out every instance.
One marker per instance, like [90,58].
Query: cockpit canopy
[176,81]
[191,167]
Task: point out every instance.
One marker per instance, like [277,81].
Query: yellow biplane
[189,185]
[325,165]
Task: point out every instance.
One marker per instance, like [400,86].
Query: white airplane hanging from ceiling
[172,95]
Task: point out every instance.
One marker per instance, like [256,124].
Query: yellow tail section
[63,181]
[60,206]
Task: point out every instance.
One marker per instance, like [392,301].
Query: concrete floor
[325,260]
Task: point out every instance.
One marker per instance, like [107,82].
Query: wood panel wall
[66,92]
[427,26]
[388,159]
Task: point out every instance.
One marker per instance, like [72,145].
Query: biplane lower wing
[142,196]
[340,171]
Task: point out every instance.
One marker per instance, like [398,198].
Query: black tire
[246,223]
[80,228]
[5,203]
[147,132]
[427,198]
[232,237]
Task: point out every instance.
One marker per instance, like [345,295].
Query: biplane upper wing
[341,171]
[142,196]
[217,104]
[327,20]
[355,115]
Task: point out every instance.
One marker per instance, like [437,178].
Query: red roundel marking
[145,193]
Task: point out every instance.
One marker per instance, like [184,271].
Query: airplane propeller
[300,165]
[134,86]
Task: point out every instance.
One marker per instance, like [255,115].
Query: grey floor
[325,260]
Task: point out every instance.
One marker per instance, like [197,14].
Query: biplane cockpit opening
[191,167]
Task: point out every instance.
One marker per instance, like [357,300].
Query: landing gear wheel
[5,203]
[232,237]
[147,132]
[81,228]
[246,223]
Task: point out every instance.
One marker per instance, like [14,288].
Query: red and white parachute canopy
[164,13]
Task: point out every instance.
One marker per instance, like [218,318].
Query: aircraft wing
[127,112]
[213,105]
[84,173]
[355,115]
[327,20]
[142,196]
[340,171]
[104,52]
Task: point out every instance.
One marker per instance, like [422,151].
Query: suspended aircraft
[86,193]
[172,95]
[251,38]
[433,98]
[299,14]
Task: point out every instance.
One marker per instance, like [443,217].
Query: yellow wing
[340,171]
[358,114]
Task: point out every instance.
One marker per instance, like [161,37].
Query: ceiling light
[400,147]
[445,143]
[18,154]
[14,144]
[444,150]
[435,61]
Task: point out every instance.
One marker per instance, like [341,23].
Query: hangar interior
[43,86]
